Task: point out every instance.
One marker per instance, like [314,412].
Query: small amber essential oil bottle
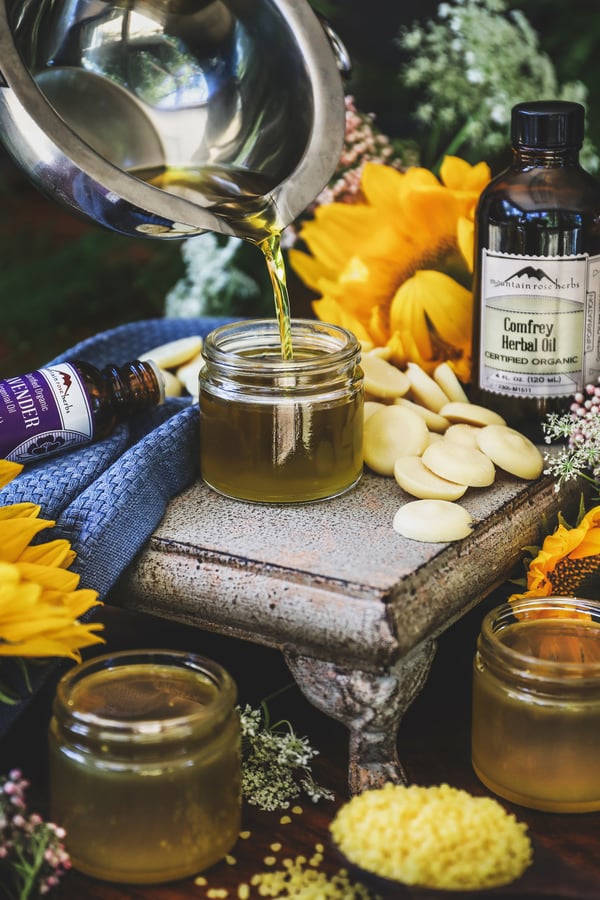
[72,403]
[536,703]
[276,430]
[145,765]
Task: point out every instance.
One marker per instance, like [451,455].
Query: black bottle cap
[547,124]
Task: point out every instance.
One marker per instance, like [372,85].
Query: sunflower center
[576,577]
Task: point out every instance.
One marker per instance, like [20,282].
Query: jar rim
[226,344]
[541,609]
[151,728]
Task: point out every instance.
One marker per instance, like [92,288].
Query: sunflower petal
[407,314]
[48,577]
[40,608]
[45,647]
[459,175]
[19,511]
[449,306]
[8,471]
[465,235]
[16,535]
[329,310]
[307,268]
[380,184]
[51,553]
[589,545]
[336,232]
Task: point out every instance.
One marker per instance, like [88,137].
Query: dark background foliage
[62,280]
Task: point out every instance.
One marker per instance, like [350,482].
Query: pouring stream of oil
[242,198]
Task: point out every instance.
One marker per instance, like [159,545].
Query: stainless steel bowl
[242,98]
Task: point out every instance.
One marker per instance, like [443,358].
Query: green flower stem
[29,871]
[454,146]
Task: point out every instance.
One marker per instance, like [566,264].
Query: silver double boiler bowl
[95,94]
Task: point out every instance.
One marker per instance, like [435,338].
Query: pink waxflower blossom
[32,855]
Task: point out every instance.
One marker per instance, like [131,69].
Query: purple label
[43,413]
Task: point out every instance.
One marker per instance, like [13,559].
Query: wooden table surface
[436,748]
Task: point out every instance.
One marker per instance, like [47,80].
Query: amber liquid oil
[242,198]
[281,431]
[536,712]
[272,434]
[145,767]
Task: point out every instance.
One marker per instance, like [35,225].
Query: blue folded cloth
[107,498]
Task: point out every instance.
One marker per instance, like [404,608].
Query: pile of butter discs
[423,431]
[179,361]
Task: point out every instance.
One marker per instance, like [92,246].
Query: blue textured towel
[107,498]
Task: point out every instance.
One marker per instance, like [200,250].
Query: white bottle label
[537,320]
[43,413]
[592,323]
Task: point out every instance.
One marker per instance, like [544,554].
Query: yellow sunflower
[40,603]
[396,267]
[568,563]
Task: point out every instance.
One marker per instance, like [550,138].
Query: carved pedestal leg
[370,704]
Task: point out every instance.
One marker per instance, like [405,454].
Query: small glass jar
[145,765]
[536,703]
[275,430]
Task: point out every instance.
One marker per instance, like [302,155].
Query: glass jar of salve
[536,703]
[276,430]
[145,765]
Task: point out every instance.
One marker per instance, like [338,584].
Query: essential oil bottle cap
[547,124]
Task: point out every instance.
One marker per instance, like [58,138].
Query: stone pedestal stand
[354,607]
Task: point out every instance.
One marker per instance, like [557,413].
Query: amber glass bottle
[68,404]
[536,327]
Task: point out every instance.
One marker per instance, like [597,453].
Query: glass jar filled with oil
[277,430]
[145,765]
[536,703]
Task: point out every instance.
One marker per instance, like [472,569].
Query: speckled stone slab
[350,603]
[332,575]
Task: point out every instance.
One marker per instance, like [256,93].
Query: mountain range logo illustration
[531,272]
[67,382]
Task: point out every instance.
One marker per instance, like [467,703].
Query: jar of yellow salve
[276,430]
[145,765]
[536,703]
